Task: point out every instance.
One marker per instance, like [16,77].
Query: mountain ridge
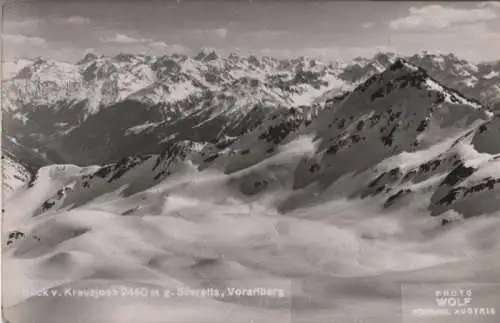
[179,91]
[401,111]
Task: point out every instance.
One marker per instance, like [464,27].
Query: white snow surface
[14,176]
[197,230]
[491,75]
[10,69]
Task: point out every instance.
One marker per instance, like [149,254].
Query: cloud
[492,4]
[125,39]
[18,40]
[76,20]
[265,34]
[220,33]
[437,16]
[162,47]
[159,44]
[461,40]
[145,44]
[21,24]
[367,25]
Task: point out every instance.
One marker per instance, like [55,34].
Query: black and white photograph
[253,161]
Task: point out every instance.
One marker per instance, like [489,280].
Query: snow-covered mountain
[103,81]
[395,177]
[478,81]
[67,107]
[14,176]
[11,69]
[58,103]
[401,128]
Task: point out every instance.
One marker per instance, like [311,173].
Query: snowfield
[198,230]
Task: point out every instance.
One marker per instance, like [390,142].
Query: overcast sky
[327,30]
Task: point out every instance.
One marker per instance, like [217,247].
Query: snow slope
[204,230]
[14,176]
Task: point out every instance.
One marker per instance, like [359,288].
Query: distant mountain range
[66,110]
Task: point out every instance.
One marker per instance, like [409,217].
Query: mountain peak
[39,60]
[401,71]
[253,60]
[404,75]
[384,57]
[206,54]
[123,57]
[401,64]
[234,55]
[88,58]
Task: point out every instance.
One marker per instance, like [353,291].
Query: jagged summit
[206,92]
[403,73]
[400,109]
[40,60]
[402,64]
[385,58]
[89,57]
[124,57]
[207,54]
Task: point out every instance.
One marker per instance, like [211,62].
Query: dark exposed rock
[360,125]
[125,165]
[376,180]
[211,158]
[13,236]
[412,173]
[457,175]
[423,125]
[314,168]
[104,171]
[47,205]
[452,196]
[129,211]
[392,199]
[277,133]
[430,166]
[389,139]
[160,174]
